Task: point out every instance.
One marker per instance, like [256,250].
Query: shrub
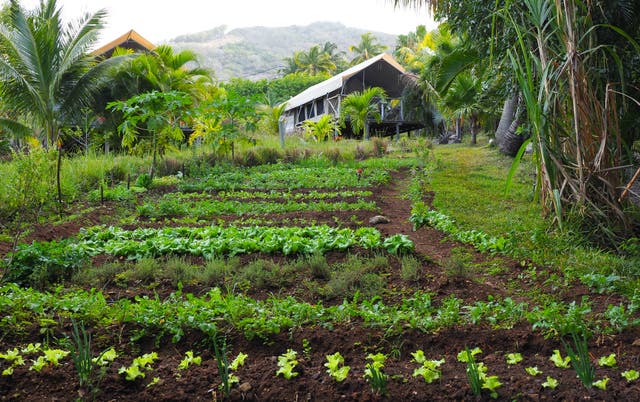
[144,180]
[380,146]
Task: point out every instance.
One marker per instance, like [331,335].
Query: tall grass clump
[570,85]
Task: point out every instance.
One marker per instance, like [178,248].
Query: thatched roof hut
[130,40]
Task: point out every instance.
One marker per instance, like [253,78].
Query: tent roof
[337,81]
[130,40]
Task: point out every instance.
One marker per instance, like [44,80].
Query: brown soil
[354,341]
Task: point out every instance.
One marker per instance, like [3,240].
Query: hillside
[257,52]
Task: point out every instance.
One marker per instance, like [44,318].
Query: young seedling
[108,356]
[550,383]
[558,360]
[475,371]
[13,356]
[137,367]
[608,361]
[491,383]
[630,375]
[374,375]
[534,371]
[601,384]
[234,365]
[188,360]
[429,369]
[513,358]
[336,368]
[51,357]
[287,363]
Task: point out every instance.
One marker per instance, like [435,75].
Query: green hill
[258,52]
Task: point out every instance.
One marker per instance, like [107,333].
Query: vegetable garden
[269,283]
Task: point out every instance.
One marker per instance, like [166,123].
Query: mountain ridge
[258,52]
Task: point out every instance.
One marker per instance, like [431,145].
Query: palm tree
[359,108]
[322,129]
[462,99]
[314,62]
[48,78]
[366,49]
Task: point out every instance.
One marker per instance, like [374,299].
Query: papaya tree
[152,121]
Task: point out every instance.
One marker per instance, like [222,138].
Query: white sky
[160,20]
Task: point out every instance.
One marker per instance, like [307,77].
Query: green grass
[469,185]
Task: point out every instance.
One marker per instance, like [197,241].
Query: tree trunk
[507,117]
[366,130]
[58,174]
[512,140]
[474,128]
[155,153]
[459,129]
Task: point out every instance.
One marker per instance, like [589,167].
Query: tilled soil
[354,340]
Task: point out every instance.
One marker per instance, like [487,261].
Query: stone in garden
[378,220]
[245,387]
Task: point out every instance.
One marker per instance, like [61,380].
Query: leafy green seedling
[608,361]
[189,359]
[108,356]
[286,363]
[153,382]
[513,358]
[238,361]
[630,375]
[558,360]
[491,383]
[464,356]
[31,348]
[13,356]
[429,369]
[139,364]
[336,368]
[602,384]
[8,371]
[374,375]
[51,357]
[550,383]
[534,371]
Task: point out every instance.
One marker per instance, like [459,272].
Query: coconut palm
[47,75]
[366,49]
[359,108]
[314,61]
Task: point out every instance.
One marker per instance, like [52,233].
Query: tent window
[309,108]
[320,107]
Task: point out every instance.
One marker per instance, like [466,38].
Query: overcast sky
[159,20]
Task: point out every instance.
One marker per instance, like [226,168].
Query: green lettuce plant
[336,368]
[550,383]
[287,362]
[630,375]
[429,369]
[139,366]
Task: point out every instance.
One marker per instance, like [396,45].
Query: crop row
[216,311]
[200,209]
[274,195]
[40,263]
[421,215]
[289,178]
[375,372]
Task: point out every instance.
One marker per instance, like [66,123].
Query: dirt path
[391,199]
